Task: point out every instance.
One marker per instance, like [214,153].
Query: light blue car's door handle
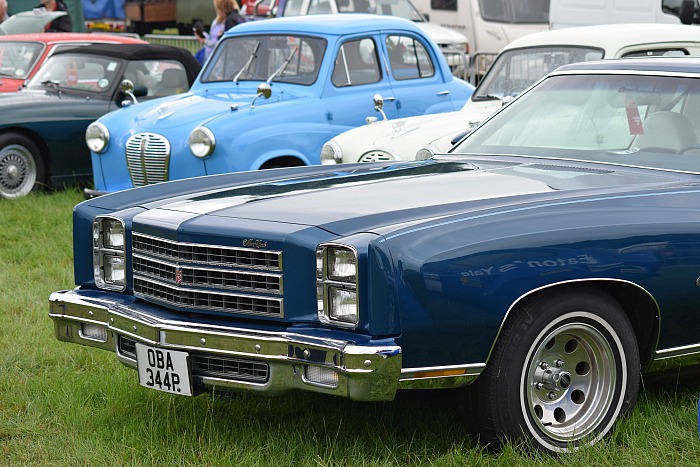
[443,93]
[390,98]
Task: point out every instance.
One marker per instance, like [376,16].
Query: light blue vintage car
[271,94]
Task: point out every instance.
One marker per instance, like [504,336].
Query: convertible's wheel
[564,369]
[21,166]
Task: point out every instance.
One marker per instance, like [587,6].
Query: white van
[489,25]
[567,13]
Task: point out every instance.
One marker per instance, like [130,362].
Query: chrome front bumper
[291,360]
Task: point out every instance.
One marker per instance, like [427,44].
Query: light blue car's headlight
[97,137]
[202,142]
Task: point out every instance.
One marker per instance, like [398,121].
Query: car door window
[317,7]
[357,63]
[408,58]
[158,77]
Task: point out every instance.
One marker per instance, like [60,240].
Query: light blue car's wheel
[21,166]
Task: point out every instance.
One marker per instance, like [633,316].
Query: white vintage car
[523,62]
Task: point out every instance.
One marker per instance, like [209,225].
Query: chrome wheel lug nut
[551,395]
[559,363]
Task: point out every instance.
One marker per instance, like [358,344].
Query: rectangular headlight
[342,264]
[342,305]
[108,252]
[336,285]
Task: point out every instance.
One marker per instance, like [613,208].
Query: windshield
[516,70]
[401,8]
[77,72]
[18,58]
[258,58]
[515,11]
[640,120]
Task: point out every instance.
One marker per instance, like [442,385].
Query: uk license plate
[163,370]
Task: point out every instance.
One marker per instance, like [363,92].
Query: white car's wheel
[21,166]
[565,368]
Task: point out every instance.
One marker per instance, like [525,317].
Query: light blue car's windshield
[259,58]
[639,120]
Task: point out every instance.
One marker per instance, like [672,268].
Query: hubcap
[17,171]
[570,383]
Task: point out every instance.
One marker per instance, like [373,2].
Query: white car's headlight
[331,153]
[426,152]
[109,253]
[336,285]
[97,137]
[202,142]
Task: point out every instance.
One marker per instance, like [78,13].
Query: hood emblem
[253,243]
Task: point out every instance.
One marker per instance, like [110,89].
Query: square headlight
[108,253]
[342,264]
[336,285]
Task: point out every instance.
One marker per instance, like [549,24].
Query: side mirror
[127,87]
[264,90]
[688,11]
[379,104]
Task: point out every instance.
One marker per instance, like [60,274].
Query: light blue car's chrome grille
[207,277]
[147,157]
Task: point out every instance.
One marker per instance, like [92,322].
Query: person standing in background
[3,10]
[219,25]
[62,24]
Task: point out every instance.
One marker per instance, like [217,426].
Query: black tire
[22,166]
[565,368]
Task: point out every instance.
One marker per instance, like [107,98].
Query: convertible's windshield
[640,120]
[516,70]
[257,58]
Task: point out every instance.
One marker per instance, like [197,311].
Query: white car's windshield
[263,57]
[640,120]
[516,70]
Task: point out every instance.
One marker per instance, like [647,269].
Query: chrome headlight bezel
[109,253]
[202,142]
[426,152]
[337,285]
[97,137]
[331,153]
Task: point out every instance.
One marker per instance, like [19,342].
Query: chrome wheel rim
[570,383]
[17,171]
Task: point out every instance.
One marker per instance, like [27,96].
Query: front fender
[251,149]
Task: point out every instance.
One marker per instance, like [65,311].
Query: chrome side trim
[675,357]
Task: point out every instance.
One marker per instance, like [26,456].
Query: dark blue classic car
[271,94]
[545,264]
[42,127]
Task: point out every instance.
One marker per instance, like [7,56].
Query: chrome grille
[377,155]
[147,157]
[213,366]
[207,254]
[207,277]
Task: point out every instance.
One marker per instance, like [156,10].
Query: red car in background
[21,55]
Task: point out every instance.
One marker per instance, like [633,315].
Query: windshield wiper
[53,84]
[282,67]
[252,57]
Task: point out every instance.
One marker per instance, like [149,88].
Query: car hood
[33,98]
[198,107]
[10,84]
[441,34]
[405,136]
[373,198]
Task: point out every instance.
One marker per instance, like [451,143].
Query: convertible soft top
[140,52]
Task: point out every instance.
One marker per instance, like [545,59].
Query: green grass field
[62,404]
